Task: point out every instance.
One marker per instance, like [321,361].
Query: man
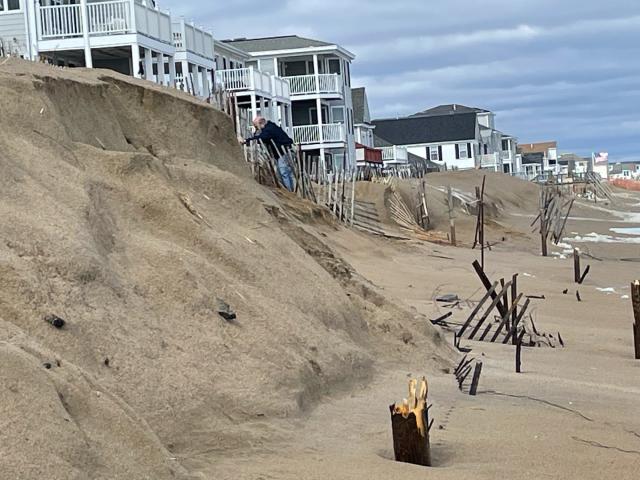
[277,142]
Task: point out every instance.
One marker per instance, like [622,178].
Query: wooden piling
[576,265]
[410,427]
[452,222]
[473,389]
[635,299]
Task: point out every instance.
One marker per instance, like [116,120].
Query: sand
[147,381]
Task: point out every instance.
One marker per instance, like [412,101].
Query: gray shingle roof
[449,109]
[267,44]
[380,142]
[428,129]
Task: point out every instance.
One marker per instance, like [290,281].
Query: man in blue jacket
[277,142]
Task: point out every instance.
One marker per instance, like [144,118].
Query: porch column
[197,81]
[263,109]
[172,72]
[135,60]
[161,76]
[185,76]
[84,13]
[205,83]
[318,104]
[148,64]
[323,162]
[254,106]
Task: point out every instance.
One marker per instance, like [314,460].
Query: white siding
[13,33]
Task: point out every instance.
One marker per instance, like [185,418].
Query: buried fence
[272,165]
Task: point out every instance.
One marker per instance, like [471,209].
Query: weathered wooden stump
[410,427]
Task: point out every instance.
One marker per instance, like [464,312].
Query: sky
[565,70]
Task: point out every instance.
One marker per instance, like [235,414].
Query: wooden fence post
[452,222]
[635,299]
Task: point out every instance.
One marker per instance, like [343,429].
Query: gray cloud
[566,70]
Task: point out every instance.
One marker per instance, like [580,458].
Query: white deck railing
[394,154]
[249,79]
[490,160]
[243,79]
[104,18]
[327,83]
[60,21]
[190,38]
[109,17]
[308,134]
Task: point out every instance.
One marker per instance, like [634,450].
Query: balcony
[327,85]
[310,134]
[118,17]
[490,161]
[249,80]
[394,155]
[189,38]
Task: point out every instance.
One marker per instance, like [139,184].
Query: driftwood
[410,426]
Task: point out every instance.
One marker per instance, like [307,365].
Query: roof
[285,42]
[360,107]
[427,129]
[220,45]
[540,147]
[380,142]
[449,109]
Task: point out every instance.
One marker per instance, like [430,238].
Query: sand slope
[95,173]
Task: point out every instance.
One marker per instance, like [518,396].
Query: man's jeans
[285,172]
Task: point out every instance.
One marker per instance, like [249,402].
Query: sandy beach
[131,231]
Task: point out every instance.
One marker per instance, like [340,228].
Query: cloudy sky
[566,70]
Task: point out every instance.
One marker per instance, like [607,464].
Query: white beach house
[452,136]
[319,78]
[255,91]
[133,37]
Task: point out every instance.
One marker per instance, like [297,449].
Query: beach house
[537,158]
[319,78]
[133,37]
[366,153]
[255,92]
[452,136]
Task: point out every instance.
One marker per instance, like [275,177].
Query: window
[9,5]
[337,113]
[462,149]
[505,145]
[334,65]
[433,153]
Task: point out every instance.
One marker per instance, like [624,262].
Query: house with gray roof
[363,128]
[453,136]
[319,78]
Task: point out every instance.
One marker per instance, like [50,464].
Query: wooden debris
[410,426]
[553,216]
[188,204]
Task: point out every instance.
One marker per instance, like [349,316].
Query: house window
[9,5]
[337,113]
[334,65]
[462,148]
[505,145]
[433,153]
